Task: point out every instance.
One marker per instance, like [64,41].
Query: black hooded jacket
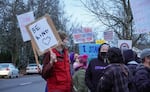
[130,60]
[142,78]
[94,72]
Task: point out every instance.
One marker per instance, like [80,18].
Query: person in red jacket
[56,67]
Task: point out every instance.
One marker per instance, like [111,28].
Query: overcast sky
[80,15]
[73,7]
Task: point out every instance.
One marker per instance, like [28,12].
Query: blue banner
[90,49]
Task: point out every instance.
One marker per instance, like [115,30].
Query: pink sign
[108,35]
[23,20]
[83,36]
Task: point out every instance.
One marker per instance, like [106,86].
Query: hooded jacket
[130,60]
[94,72]
[142,78]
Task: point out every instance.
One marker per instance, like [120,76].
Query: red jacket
[57,75]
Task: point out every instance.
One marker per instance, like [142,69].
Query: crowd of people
[113,70]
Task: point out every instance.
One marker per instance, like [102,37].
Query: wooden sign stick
[35,55]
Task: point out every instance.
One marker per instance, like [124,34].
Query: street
[27,83]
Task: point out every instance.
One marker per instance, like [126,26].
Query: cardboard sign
[100,41]
[43,34]
[108,35]
[90,49]
[125,44]
[23,20]
[141,12]
[82,36]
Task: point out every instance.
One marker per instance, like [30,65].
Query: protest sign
[108,35]
[100,41]
[43,34]
[125,44]
[90,49]
[23,20]
[141,12]
[83,35]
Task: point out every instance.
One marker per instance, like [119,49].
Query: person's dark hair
[99,54]
[128,55]
[115,55]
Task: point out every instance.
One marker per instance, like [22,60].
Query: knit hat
[83,58]
[145,53]
[82,62]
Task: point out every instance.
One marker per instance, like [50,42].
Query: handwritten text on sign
[43,35]
[90,49]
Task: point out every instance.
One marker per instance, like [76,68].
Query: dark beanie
[62,35]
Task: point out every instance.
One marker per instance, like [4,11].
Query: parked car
[33,68]
[8,70]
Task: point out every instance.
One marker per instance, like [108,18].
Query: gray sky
[80,15]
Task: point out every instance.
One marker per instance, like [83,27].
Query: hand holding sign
[53,57]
